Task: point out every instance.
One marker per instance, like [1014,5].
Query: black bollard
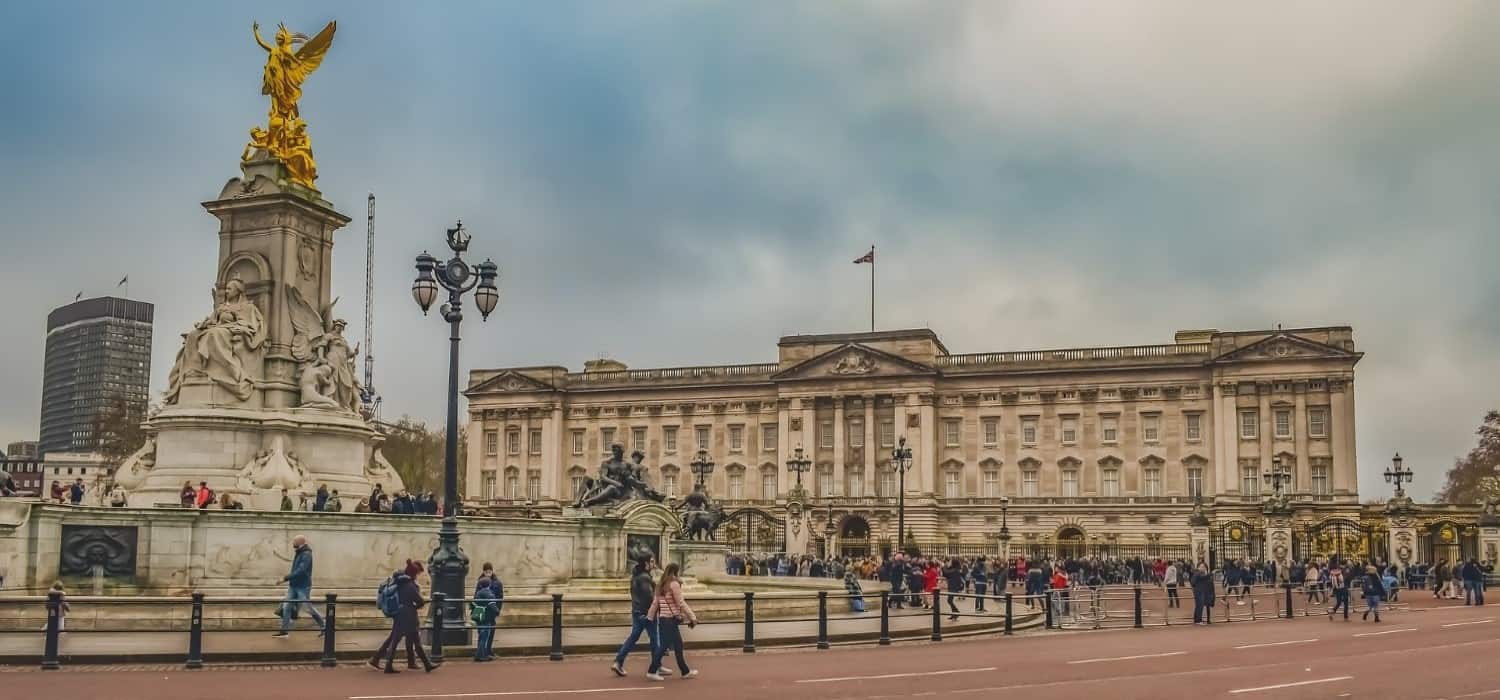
[438,599]
[749,646]
[1138,624]
[885,618]
[1288,600]
[556,654]
[54,610]
[330,611]
[1047,605]
[822,619]
[1009,623]
[195,633]
[937,619]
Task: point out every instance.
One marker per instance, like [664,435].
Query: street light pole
[702,466]
[449,566]
[901,461]
[1397,475]
[1004,530]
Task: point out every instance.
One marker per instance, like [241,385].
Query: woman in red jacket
[930,580]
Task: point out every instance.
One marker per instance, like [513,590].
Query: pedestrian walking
[1374,591]
[406,623]
[1473,576]
[1340,586]
[642,593]
[75,492]
[1203,596]
[980,575]
[298,588]
[953,576]
[670,611]
[1169,579]
[484,610]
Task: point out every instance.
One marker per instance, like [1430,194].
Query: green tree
[1464,479]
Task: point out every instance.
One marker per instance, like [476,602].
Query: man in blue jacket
[298,588]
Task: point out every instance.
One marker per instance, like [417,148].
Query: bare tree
[1463,485]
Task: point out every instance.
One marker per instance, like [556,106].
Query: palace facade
[1092,450]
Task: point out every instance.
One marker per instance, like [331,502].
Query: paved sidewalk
[304,644]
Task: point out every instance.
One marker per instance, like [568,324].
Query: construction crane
[367,395]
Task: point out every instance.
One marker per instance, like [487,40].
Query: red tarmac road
[1446,652]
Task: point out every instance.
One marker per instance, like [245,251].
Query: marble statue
[327,377]
[272,469]
[289,61]
[132,472]
[379,471]
[218,346]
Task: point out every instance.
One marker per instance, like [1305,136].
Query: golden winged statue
[289,60]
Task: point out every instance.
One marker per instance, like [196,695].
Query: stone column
[798,534]
[1226,452]
[926,453]
[1279,537]
[525,462]
[553,444]
[1343,423]
[1402,542]
[810,440]
[1489,539]
[784,444]
[870,447]
[840,449]
[1303,481]
[1265,433]
[474,466]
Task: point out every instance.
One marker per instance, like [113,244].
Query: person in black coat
[407,623]
[954,576]
[1203,595]
[896,576]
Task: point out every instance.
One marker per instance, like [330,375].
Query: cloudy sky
[681,182]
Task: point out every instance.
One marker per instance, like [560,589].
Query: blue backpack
[387,598]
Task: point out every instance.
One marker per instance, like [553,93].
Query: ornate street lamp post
[901,461]
[1398,475]
[1278,476]
[448,565]
[702,466]
[1004,529]
[797,465]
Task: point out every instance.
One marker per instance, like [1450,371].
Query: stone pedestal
[1489,539]
[1199,538]
[700,559]
[1279,538]
[1402,542]
[798,530]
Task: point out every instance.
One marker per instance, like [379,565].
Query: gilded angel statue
[289,60]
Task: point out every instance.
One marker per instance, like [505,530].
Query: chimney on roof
[1202,335]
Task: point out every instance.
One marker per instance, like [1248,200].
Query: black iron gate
[1342,538]
[1447,540]
[1236,540]
[753,530]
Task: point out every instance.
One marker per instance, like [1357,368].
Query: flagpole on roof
[872,288]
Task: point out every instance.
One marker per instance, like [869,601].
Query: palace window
[1109,429]
[768,485]
[768,438]
[638,439]
[825,434]
[1195,481]
[669,438]
[1030,478]
[887,433]
[1151,427]
[991,483]
[950,432]
[577,485]
[1070,430]
[1069,395]
[1110,481]
[491,442]
[887,483]
[1070,483]
[856,433]
[607,438]
[856,484]
[736,485]
[534,487]
[1190,390]
[702,433]
[1283,423]
[669,483]
[825,483]
[577,442]
[1320,484]
[1250,481]
[534,440]
[1317,422]
[1028,431]
[952,484]
[489,485]
[1194,431]
[1151,483]
[991,432]
[1151,392]
[736,438]
[513,442]
[512,484]
[1249,424]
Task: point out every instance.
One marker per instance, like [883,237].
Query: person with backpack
[298,588]
[401,598]
[980,575]
[205,496]
[642,591]
[484,611]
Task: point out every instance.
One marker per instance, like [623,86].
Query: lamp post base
[449,567]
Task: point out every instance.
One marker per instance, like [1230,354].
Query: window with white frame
[856,432]
[736,438]
[513,442]
[857,483]
[1109,428]
[1249,424]
[1151,427]
[1283,423]
[638,439]
[534,486]
[1193,430]
[1070,482]
[1250,480]
[702,434]
[1150,392]
[1151,481]
[1320,483]
[606,439]
[991,483]
[1030,481]
[1195,481]
[825,434]
[1028,431]
[491,442]
[991,432]
[489,486]
[952,484]
[669,438]
[1109,481]
[669,483]
[887,488]
[577,480]
[534,442]
[825,482]
[512,484]
[887,433]
[950,432]
[736,485]
[1069,431]
[768,437]
[768,485]
[1317,422]
[577,442]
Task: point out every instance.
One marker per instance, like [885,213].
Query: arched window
[533,485]
[512,483]
[768,482]
[669,474]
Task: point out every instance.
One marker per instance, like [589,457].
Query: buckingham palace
[1106,450]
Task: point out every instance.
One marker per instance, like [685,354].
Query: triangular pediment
[1285,346]
[854,361]
[509,382]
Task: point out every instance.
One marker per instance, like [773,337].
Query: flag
[122,281]
[867,257]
